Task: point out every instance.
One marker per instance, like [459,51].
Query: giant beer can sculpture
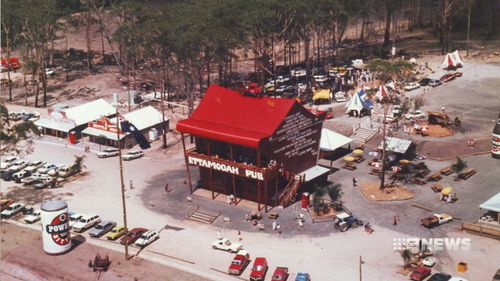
[55,227]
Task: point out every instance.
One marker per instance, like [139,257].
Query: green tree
[458,166]
[407,256]
[15,137]
[77,166]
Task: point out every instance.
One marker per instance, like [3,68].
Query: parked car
[64,171]
[446,78]
[40,183]
[496,277]
[55,171]
[239,263]
[86,222]
[434,83]
[33,217]
[18,176]
[417,114]
[147,238]
[320,78]
[73,218]
[108,152]
[132,235]
[18,165]
[102,228]
[226,245]
[440,277]
[282,79]
[284,88]
[12,209]
[303,276]
[259,269]
[36,177]
[7,162]
[424,81]
[115,233]
[420,273]
[280,274]
[435,220]
[45,168]
[411,86]
[33,166]
[7,175]
[429,261]
[134,154]
[317,113]
[298,72]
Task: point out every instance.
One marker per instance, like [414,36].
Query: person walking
[301,223]
[275,225]
[395,220]
[131,185]
[219,235]
[240,237]
[354,182]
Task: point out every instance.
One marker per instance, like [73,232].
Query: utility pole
[162,95]
[384,146]
[361,262]
[122,184]
[468,26]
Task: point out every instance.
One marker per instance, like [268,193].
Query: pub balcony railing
[269,171]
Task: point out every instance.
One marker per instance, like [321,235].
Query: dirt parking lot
[23,258]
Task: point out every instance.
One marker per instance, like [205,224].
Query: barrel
[153,134]
[55,227]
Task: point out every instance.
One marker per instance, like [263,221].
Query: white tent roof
[396,145]
[90,111]
[452,59]
[493,204]
[358,102]
[144,118]
[331,140]
[314,172]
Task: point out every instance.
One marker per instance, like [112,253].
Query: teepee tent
[452,60]
[382,93]
[358,104]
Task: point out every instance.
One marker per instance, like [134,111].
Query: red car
[259,269]
[447,77]
[239,263]
[420,273]
[280,274]
[318,113]
[132,235]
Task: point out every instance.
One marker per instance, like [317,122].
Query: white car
[34,177]
[412,86]
[429,261]
[301,86]
[134,154]
[108,152]
[33,217]
[73,218]
[33,166]
[282,79]
[20,175]
[7,162]
[226,245]
[46,168]
[415,115]
[13,209]
[85,222]
[147,238]
[298,72]
[320,78]
[18,165]
[54,172]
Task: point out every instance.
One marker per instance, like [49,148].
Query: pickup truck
[435,220]
[239,263]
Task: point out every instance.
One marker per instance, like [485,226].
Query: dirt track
[22,258]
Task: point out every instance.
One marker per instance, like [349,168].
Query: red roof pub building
[252,147]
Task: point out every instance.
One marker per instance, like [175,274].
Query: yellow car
[115,233]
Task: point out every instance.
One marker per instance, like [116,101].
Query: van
[20,175]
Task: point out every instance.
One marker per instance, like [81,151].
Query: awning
[331,140]
[314,172]
[97,133]
[63,124]
[493,204]
[324,94]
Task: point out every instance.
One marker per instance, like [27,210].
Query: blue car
[302,276]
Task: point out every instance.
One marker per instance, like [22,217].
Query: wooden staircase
[286,197]
[202,215]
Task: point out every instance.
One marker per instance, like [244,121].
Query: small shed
[401,148]
[492,205]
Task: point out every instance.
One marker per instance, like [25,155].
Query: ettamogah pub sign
[223,167]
